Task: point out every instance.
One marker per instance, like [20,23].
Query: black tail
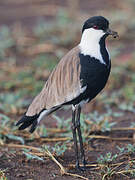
[26,121]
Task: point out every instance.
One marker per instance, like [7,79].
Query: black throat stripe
[103,51]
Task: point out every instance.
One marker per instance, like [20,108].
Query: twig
[56,130]
[54,139]
[110,138]
[22,146]
[76,175]
[53,158]
[91,136]
[126,171]
[40,154]
[62,169]
[97,165]
[87,165]
[122,128]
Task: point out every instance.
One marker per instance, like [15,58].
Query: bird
[79,76]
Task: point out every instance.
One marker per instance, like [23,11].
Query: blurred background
[35,34]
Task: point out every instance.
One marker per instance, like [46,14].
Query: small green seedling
[108,158]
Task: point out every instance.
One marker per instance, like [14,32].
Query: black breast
[94,75]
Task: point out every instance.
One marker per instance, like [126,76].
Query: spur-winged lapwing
[80,75]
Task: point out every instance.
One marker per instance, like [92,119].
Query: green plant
[15,138]
[11,101]
[108,158]
[100,122]
[130,148]
[6,41]
[121,149]
[107,173]
[42,130]
[59,148]
[31,156]
[45,61]
[125,106]
[132,125]
[62,123]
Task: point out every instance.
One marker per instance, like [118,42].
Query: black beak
[113,33]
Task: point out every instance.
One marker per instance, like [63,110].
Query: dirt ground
[18,167]
[13,163]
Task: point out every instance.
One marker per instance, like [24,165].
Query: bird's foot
[79,168]
[84,163]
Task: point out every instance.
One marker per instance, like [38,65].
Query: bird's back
[62,86]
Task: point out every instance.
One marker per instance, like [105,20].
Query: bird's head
[97,27]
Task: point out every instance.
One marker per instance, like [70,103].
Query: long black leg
[74,136]
[80,135]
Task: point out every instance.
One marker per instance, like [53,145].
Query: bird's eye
[95,27]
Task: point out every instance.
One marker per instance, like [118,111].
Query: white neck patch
[89,44]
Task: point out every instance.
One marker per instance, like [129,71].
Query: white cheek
[92,34]
[89,44]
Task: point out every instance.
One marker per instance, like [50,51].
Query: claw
[79,168]
[84,163]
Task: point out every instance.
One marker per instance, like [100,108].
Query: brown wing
[62,86]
